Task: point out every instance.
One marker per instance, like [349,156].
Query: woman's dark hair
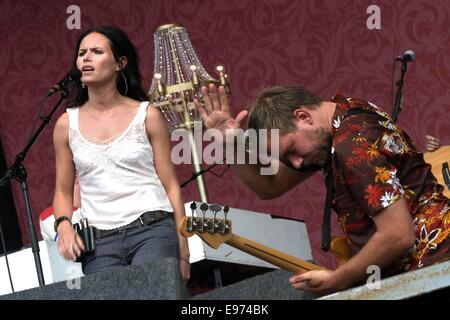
[120,46]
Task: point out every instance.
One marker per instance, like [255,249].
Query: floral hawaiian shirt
[375,164]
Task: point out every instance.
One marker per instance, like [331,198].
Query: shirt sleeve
[366,147]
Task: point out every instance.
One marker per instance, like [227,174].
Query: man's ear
[303,116]
[122,63]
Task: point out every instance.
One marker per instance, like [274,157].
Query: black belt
[145,219]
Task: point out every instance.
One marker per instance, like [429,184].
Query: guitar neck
[275,257]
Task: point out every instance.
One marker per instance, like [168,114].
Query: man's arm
[269,186]
[394,236]
[216,114]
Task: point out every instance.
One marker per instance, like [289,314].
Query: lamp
[178,77]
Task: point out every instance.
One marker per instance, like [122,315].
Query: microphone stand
[399,95]
[18,172]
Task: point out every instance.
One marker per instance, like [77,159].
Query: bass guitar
[215,231]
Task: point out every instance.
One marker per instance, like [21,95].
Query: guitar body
[436,159]
[340,248]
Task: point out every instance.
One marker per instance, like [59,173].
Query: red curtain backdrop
[323,45]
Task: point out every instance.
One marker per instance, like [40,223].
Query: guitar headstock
[214,231]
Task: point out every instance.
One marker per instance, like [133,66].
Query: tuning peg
[193,206]
[190,224]
[204,207]
[225,211]
[215,208]
[224,226]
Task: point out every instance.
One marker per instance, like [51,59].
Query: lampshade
[178,76]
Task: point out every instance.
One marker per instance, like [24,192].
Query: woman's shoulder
[62,121]
[154,119]
[130,103]
[152,111]
[61,126]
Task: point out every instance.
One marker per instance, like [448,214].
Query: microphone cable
[39,115]
[392,84]
[196,174]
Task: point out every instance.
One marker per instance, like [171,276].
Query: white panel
[23,268]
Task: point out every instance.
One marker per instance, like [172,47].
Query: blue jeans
[134,246]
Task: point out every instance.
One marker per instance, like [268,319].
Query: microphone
[72,75]
[408,56]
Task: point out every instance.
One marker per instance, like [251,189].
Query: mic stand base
[31,229]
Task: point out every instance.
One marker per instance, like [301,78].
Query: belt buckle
[141,220]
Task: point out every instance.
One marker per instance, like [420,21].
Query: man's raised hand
[216,112]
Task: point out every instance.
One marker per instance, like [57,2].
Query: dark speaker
[9,224]
[158,280]
[272,285]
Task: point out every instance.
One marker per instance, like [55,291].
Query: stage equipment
[408,56]
[178,77]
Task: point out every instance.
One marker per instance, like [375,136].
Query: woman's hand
[185,266]
[70,244]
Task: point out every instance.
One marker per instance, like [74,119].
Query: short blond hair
[274,107]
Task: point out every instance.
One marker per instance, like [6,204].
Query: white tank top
[118,181]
